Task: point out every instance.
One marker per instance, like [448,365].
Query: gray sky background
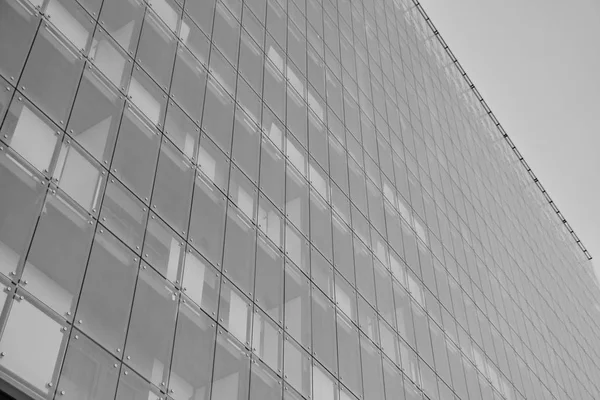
[537,64]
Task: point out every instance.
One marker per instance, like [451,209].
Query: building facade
[271,199]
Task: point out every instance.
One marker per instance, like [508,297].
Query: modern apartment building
[272,199]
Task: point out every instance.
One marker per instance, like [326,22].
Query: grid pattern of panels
[270,199]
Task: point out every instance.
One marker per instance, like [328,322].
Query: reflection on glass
[123,20]
[71,20]
[110,59]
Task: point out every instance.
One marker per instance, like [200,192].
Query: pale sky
[537,65]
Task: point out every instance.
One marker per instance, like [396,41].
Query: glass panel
[297,368]
[202,13]
[213,163]
[389,343]
[193,38]
[272,173]
[132,386]
[136,154]
[385,299]
[342,249]
[152,326]
[201,282]
[193,352]
[96,116]
[264,385]
[297,248]
[207,224]
[89,372]
[365,280]
[268,290]
[24,125]
[123,20]
[267,341]
[296,200]
[124,215]
[297,306]
[246,145]
[338,164]
[51,75]
[222,73]
[110,59]
[156,50]
[22,197]
[251,62]
[79,176]
[235,312]
[163,248]
[226,33]
[240,245]
[368,320]
[324,335]
[296,155]
[324,384]
[349,355]
[218,115]
[321,273]
[172,195]
[318,141]
[145,94]
[274,83]
[6,93]
[320,225]
[272,129]
[189,84]
[372,370]
[57,257]
[169,11]
[345,298]
[18,26]
[32,343]
[270,221]
[232,370]
[182,131]
[107,292]
[71,19]
[243,193]
[393,381]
